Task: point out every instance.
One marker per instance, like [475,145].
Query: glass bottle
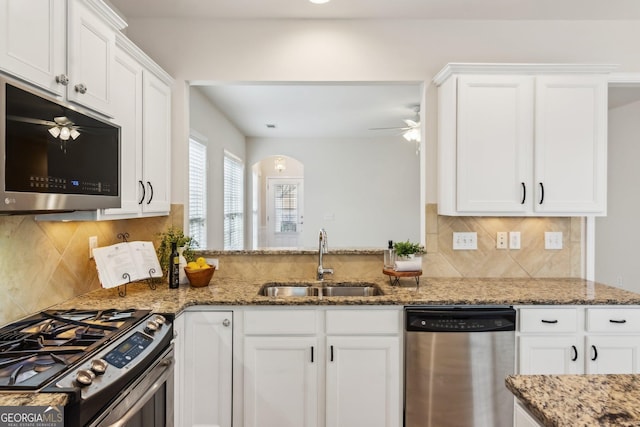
[389,256]
[174,267]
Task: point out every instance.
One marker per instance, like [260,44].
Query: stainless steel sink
[347,289]
[288,291]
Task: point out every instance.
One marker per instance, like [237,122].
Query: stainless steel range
[116,365]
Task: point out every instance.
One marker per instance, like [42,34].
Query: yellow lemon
[201,261]
[193,265]
[205,265]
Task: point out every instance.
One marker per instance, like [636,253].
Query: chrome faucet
[322,249]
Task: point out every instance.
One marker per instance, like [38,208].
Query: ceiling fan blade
[393,128]
[411,123]
[31,121]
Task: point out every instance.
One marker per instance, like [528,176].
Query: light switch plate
[465,241]
[501,240]
[514,240]
[553,240]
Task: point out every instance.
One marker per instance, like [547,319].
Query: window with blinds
[198,193]
[233,202]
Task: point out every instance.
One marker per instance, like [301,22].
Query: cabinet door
[33,41]
[612,354]
[178,372]
[90,52]
[363,382]
[550,355]
[280,381]
[571,144]
[207,369]
[494,134]
[127,103]
[156,136]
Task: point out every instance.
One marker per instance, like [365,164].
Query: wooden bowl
[200,277]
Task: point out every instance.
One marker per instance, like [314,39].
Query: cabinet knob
[81,88]
[226,322]
[62,79]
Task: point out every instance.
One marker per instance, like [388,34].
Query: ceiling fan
[411,130]
[61,127]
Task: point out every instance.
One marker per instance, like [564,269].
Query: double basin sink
[348,289]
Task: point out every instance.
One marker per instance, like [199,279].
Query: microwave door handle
[150,189]
[144,193]
[167,364]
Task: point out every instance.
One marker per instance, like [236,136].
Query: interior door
[285,216]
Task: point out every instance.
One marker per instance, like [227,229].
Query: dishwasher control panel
[460,319]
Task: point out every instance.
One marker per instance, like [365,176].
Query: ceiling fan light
[54,131]
[412,135]
[74,134]
[65,133]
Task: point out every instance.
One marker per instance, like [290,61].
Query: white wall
[367,186]
[219,134]
[617,235]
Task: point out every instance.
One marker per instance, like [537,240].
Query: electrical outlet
[93,243]
[501,240]
[213,262]
[514,240]
[553,240]
[465,241]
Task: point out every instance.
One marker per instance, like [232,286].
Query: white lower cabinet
[206,369]
[322,367]
[363,381]
[522,418]
[280,381]
[578,340]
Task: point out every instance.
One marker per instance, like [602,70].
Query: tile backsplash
[45,263]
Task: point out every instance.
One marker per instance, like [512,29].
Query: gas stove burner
[39,348]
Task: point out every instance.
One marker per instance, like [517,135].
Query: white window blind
[233,202]
[198,193]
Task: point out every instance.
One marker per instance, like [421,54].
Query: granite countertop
[579,400]
[432,291]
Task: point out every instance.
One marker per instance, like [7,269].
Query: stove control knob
[159,319]
[98,366]
[85,377]
[151,327]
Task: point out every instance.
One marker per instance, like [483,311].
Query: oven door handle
[166,365]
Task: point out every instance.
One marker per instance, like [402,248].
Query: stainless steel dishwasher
[456,361]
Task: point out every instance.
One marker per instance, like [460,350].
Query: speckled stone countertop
[579,400]
[432,291]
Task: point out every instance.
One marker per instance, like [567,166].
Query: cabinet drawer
[280,322]
[363,321]
[613,320]
[548,320]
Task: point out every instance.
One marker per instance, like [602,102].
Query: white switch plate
[553,240]
[93,243]
[465,241]
[514,240]
[501,240]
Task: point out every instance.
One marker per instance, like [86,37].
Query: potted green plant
[173,234]
[407,249]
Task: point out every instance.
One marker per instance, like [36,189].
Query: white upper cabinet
[65,47]
[522,140]
[33,42]
[90,52]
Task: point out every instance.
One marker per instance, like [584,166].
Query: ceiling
[383,9]
[350,110]
[316,110]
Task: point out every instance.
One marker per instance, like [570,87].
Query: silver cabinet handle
[62,79]
[81,88]
[226,322]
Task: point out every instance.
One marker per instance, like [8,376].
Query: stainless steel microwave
[55,157]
